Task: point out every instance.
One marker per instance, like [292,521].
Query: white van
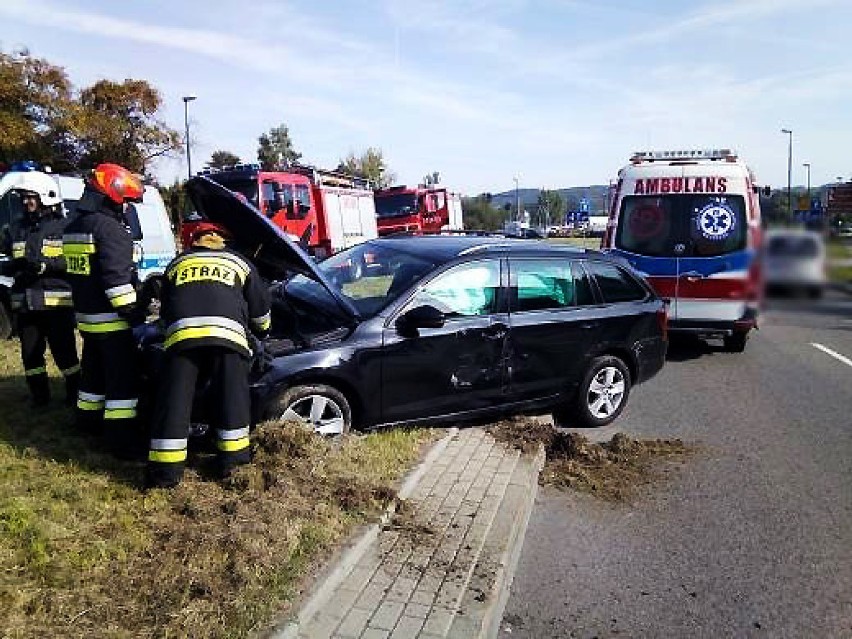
[154,242]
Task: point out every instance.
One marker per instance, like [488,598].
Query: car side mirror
[425,316]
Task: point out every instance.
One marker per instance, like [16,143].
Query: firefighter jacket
[213,297]
[38,266]
[99,260]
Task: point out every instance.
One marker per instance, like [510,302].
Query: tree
[36,108]
[432,179]
[369,165]
[275,149]
[177,203]
[478,214]
[551,207]
[117,122]
[221,159]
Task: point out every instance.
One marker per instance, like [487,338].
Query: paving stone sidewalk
[442,566]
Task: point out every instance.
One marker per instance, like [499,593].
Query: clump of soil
[611,470]
[405,520]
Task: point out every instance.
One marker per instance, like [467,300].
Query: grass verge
[84,553]
[581,242]
[613,470]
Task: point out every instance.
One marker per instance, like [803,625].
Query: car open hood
[273,253]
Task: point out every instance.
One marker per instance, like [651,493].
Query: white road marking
[834,354]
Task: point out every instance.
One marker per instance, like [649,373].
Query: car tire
[735,343]
[321,408]
[602,394]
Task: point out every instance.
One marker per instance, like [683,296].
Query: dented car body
[442,328]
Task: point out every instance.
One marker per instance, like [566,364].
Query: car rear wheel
[603,392]
[321,408]
[735,343]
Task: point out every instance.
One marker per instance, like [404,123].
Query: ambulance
[689,221]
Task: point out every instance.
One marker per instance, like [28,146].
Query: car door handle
[692,276]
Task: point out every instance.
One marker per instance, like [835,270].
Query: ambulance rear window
[701,225]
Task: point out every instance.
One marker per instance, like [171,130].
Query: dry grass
[613,470]
[83,553]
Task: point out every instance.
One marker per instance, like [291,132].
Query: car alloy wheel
[321,408]
[606,392]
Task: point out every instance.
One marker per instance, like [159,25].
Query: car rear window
[615,285]
[682,225]
[792,246]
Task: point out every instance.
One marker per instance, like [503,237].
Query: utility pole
[789,133]
[807,165]
[186,100]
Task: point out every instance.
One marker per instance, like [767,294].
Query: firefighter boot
[39,389]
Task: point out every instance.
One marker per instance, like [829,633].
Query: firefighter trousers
[227,399]
[37,330]
[108,396]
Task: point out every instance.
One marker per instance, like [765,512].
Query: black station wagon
[421,329]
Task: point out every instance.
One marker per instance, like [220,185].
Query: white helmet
[39,183]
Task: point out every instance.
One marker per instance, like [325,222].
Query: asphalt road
[752,537]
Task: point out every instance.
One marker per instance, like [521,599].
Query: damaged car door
[444,351]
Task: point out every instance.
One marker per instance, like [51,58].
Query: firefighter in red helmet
[98,254]
[212,299]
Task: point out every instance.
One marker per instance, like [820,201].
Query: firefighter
[99,259]
[212,300]
[40,294]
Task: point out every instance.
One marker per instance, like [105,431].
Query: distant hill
[595,194]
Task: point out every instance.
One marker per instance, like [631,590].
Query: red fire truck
[421,209]
[324,210]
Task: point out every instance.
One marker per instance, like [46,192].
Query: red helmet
[117,183]
[208,227]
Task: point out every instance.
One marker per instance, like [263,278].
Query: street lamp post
[807,166]
[517,201]
[186,100]
[789,133]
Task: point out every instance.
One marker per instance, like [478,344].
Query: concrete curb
[511,556]
[482,619]
[347,558]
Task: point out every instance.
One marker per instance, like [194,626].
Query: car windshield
[682,225]
[370,276]
[396,205]
[802,247]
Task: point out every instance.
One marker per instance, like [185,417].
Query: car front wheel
[603,392]
[321,408]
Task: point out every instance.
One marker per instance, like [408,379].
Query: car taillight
[663,321]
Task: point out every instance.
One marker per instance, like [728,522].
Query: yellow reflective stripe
[263,322]
[232,445]
[85,404]
[167,456]
[207,258]
[119,413]
[36,371]
[103,327]
[58,301]
[51,251]
[205,331]
[123,300]
[17,252]
[78,248]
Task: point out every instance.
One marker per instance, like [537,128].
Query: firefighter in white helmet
[40,295]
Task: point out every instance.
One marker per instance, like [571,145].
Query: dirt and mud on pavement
[612,470]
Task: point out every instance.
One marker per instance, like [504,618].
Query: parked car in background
[794,261]
[446,328]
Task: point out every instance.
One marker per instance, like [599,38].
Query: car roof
[448,247]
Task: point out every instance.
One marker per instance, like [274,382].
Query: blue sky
[557,92]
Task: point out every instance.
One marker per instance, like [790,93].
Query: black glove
[17,265]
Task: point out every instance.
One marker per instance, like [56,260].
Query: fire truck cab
[690,222]
[421,209]
[325,211]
